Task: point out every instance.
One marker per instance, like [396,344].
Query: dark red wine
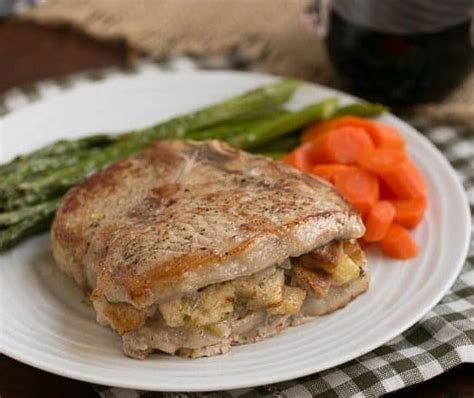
[399,68]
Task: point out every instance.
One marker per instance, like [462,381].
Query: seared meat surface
[182,247]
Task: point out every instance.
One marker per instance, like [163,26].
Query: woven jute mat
[265,35]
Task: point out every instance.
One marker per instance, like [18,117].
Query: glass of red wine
[398,52]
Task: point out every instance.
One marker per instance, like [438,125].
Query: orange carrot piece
[342,145]
[382,135]
[396,170]
[385,136]
[301,157]
[319,129]
[406,181]
[328,171]
[398,243]
[378,221]
[409,213]
[358,187]
[418,178]
[381,159]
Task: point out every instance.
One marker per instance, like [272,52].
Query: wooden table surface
[29,53]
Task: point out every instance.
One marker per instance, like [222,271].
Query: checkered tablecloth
[443,339]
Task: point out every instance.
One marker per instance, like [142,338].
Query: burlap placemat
[267,35]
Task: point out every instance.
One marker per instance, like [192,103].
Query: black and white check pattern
[443,339]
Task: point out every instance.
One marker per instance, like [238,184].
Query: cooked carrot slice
[382,135]
[418,179]
[406,181]
[358,187]
[301,157]
[409,213]
[385,136]
[381,159]
[329,171]
[398,243]
[342,145]
[378,220]
[396,170]
[320,128]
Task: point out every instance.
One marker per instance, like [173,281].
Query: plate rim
[417,315]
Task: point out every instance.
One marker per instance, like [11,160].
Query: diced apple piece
[346,271]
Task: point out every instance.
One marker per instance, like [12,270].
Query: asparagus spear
[58,148]
[28,226]
[17,216]
[362,109]
[37,166]
[284,124]
[248,103]
[283,144]
[225,130]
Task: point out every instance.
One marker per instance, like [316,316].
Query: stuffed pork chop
[189,248]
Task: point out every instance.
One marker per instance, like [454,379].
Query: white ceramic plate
[45,322]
